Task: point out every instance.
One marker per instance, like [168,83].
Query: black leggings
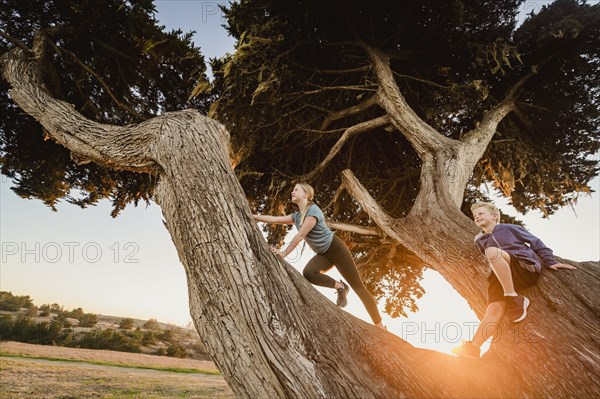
[339,255]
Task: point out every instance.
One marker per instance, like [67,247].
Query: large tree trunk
[269,331]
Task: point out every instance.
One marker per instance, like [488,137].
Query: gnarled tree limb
[385,222]
[423,137]
[350,132]
[352,228]
[486,129]
[113,146]
[344,113]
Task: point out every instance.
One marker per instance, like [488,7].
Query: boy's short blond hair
[488,205]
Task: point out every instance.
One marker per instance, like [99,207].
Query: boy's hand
[562,266]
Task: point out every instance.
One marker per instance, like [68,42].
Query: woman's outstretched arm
[274,219]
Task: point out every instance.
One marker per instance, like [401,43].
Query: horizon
[101,316]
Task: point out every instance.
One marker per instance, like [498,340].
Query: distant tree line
[58,331]
[13,303]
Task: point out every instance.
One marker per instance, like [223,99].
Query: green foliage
[62,320]
[32,311]
[126,323]
[151,324]
[166,336]
[88,320]
[176,350]
[45,310]
[149,338]
[124,341]
[61,315]
[23,328]
[6,325]
[75,314]
[11,302]
[116,65]
[56,308]
[298,65]
[390,271]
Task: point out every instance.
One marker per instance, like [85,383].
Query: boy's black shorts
[522,278]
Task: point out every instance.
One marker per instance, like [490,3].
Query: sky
[129,267]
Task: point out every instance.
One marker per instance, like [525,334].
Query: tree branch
[485,130]
[101,81]
[429,82]
[112,49]
[322,89]
[386,223]
[348,111]
[113,146]
[363,68]
[522,117]
[317,131]
[351,131]
[352,228]
[14,41]
[419,133]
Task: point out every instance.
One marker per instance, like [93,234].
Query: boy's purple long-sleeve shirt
[519,243]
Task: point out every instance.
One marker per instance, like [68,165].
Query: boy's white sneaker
[516,308]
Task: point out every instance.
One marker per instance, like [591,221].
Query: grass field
[39,371]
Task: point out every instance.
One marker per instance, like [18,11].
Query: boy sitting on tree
[514,257]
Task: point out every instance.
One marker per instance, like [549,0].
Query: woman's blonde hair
[308,189]
[488,205]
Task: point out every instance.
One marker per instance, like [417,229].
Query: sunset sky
[128,266]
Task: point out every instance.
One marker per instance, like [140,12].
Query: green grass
[100,363]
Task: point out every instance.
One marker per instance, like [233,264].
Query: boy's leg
[506,269]
[488,327]
[490,323]
[500,263]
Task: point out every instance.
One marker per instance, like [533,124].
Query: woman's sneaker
[516,308]
[342,294]
[467,349]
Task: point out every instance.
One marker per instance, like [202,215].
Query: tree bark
[268,330]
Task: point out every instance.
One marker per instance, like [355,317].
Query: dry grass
[19,348]
[36,378]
